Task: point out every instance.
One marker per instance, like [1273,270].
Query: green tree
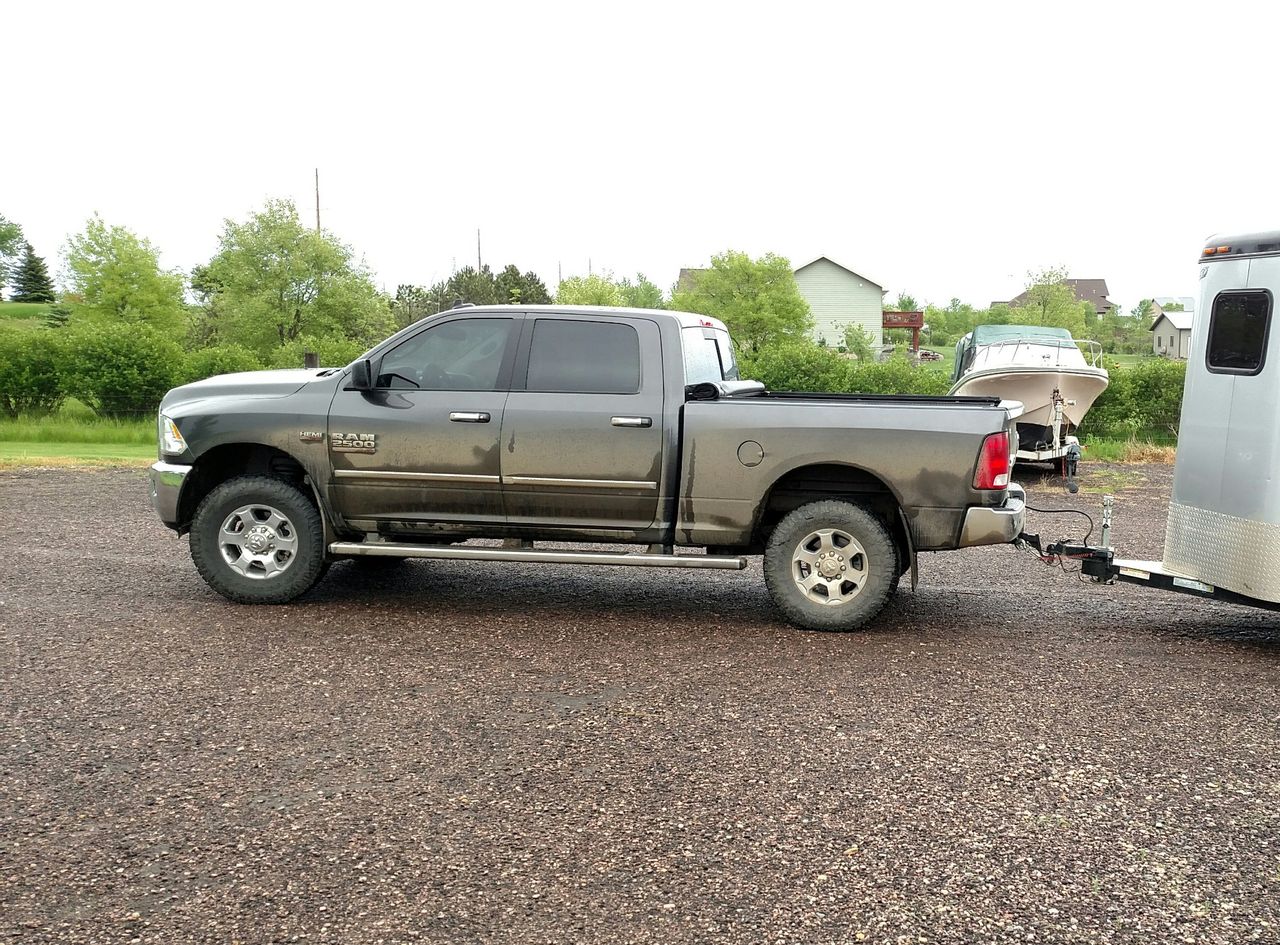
[757,298]
[590,290]
[1051,302]
[858,342]
[904,303]
[641,294]
[31,282]
[31,369]
[274,280]
[11,245]
[117,276]
[515,287]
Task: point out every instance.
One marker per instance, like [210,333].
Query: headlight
[171,440]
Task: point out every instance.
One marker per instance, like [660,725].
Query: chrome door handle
[632,421]
[468,416]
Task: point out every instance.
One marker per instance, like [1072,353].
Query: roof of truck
[685,319]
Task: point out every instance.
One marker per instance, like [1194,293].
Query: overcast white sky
[942,148]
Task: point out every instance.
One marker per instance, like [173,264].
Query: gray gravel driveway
[469,752]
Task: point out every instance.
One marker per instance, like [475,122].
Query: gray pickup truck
[479,432]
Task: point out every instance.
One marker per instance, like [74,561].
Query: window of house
[463,354]
[1238,329]
[584,357]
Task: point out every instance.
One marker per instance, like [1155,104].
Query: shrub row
[124,370]
[1143,400]
[801,366]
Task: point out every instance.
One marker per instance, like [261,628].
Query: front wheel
[830,565]
[258,540]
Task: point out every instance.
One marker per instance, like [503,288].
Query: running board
[462,553]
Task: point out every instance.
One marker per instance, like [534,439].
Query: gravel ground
[480,753]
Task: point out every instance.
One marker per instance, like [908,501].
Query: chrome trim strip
[393,474]
[455,552]
[580,483]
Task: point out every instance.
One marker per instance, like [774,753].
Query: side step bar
[462,553]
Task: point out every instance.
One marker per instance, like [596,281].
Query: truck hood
[245,384]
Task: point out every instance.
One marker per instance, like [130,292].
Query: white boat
[1044,368]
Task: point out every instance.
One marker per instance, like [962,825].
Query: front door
[582,440]
[422,447]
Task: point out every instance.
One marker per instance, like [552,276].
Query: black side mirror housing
[361,375]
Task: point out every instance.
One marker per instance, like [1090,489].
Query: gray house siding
[838,297]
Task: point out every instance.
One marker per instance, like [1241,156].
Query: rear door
[582,441]
[423,446]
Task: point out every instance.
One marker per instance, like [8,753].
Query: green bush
[222,359]
[120,370]
[333,352]
[31,366]
[896,376]
[1144,400]
[797,366]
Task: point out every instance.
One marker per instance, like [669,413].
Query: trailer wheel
[258,540]
[830,565]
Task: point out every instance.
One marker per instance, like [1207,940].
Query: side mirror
[361,375]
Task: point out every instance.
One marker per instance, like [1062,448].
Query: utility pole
[317,201]
[478,265]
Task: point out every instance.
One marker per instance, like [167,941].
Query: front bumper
[996,526]
[166,487]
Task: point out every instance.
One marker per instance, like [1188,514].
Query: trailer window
[1238,332]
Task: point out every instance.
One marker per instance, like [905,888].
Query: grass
[1127,451]
[72,429]
[18,453]
[22,316]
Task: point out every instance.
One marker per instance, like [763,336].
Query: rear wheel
[258,540]
[830,565]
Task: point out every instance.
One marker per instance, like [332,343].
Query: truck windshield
[708,356]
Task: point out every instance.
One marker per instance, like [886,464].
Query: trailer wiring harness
[1063,550]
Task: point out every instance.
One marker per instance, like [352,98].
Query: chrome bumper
[166,486]
[996,526]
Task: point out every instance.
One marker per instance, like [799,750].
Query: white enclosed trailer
[1223,534]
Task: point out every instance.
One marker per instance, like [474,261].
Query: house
[1171,334]
[1093,291]
[839,297]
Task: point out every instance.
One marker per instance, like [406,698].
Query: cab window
[584,357]
[463,354]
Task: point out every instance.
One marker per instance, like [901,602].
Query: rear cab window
[708,356]
[1238,329]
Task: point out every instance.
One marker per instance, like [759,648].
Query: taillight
[993,463]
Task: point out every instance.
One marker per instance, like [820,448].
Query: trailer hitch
[1095,561]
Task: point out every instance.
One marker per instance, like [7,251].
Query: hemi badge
[310,436]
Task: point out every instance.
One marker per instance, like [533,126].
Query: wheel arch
[846,482]
[228,460]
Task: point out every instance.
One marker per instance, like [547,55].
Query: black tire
[301,567]
[863,588]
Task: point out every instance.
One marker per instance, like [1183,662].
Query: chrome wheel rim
[258,542]
[829,566]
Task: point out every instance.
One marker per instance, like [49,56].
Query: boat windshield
[997,346]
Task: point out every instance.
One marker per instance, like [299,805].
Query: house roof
[687,276]
[1186,301]
[838,266]
[1093,291]
[1179,320]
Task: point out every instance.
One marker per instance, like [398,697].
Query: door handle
[469,416]
[632,421]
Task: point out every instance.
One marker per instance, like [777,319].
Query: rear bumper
[996,526]
[166,486]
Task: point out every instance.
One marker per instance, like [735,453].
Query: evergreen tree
[31,282]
